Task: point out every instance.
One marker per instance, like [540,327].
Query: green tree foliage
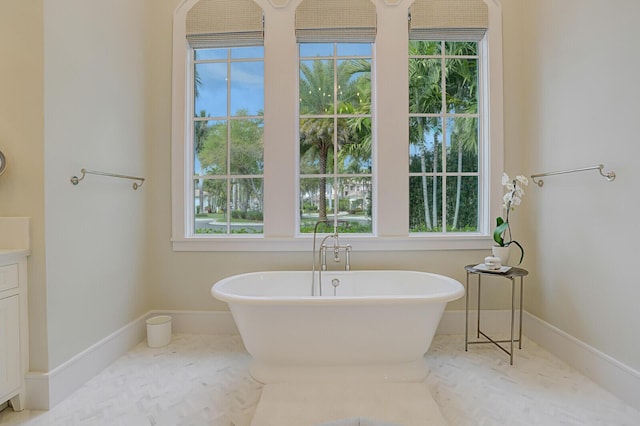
[462,97]
[426,76]
[242,143]
[351,129]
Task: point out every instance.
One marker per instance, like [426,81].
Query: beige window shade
[320,21]
[463,20]
[225,23]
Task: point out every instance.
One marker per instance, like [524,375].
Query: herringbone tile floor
[204,380]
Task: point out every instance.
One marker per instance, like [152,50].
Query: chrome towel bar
[608,175]
[75,179]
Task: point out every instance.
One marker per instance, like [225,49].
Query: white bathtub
[376,328]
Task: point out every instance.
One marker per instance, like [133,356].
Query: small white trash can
[158,331]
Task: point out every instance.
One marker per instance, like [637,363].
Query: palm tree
[318,81]
[464,139]
[425,95]
[200,132]
[462,97]
[427,77]
[200,127]
[359,106]
[316,134]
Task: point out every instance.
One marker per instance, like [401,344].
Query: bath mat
[397,404]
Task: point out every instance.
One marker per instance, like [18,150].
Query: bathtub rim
[457,291]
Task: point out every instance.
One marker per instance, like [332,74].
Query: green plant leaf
[501,226]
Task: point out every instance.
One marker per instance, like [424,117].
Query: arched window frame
[280,135]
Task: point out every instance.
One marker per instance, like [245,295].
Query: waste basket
[158,331]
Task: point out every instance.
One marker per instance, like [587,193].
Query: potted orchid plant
[512,198]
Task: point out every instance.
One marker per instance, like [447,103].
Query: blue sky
[247,81]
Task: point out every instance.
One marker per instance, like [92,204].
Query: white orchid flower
[511,199]
[506,201]
[514,189]
[505,179]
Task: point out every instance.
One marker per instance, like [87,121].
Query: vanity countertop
[11,255]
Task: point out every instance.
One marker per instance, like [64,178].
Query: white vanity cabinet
[14,331]
[13,327]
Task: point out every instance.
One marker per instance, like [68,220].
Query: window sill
[259,244]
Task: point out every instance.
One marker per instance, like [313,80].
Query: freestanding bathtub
[376,328]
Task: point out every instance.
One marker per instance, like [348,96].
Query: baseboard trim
[618,378]
[200,322]
[46,389]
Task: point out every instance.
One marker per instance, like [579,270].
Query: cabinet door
[8,277]
[9,346]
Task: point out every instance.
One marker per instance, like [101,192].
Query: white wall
[182,280]
[570,98]
[578,106]
[21,141]
[105,95]
[94,109]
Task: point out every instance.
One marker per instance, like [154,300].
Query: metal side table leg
[513,315]
[478,312]
[521,308]
[466,315]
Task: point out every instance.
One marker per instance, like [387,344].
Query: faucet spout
[322,255]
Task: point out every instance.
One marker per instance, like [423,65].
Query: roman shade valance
[225,23]
[327,21]
[462,20]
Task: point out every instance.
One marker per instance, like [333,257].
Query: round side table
[511,275]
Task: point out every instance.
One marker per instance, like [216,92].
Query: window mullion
[443,151]
[335,186]
[228,159]
[189,208]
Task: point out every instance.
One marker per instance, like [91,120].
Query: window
[446,105]
[443,136]
[224,139]
[335,136]
[227,122]
[246,172]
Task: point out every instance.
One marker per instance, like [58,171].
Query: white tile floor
[204,380]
